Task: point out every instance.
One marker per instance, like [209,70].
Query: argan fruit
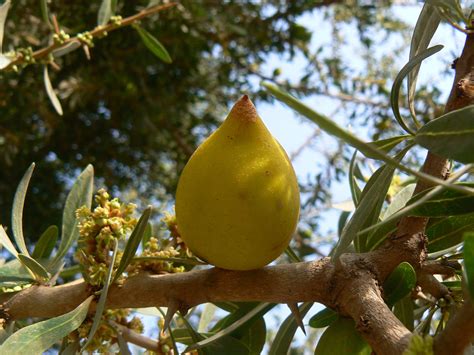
[237,202]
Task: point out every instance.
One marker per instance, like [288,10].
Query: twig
[97,32]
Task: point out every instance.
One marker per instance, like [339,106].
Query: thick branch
[292,283]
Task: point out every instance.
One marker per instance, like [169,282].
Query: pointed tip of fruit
[244,110]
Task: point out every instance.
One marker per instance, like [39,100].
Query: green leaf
[282,341]
[254,337]
[425,28]
[355,189]
[323,318]
[80,195]
[206,316]
[332,128]
[50,91]
[341,338]
[468,252]
[133,243]
[412,64]
[105,12]
[102,299]
[186,261]
[448,232]
[41,275]
[294,258]
[369,207]
[17,210]
[45,12]
[342,222]
[403,310]
[14,275]
[38,337]
[450,136]
[417,201]
[253,314]
[400,283]
[147,234]
[386,145]
[46,243]
[3,17]
[6,242]
[445,203]
[67,48]
[153,45]
[378,235]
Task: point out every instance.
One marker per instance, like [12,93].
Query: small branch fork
[351,285]
[97,32]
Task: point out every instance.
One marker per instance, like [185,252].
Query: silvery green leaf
[67,48]
[50,91]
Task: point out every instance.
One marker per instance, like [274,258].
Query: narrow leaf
[262,308]
[403,310]
[7,243]
[341,338]
[133,243]
[450,136]
[397,84]
[3,17]
[323,318]
[153,45]
[41,275]
[369,207]
[147,234]
[282,341]
[255,336]
[386,145]
[67,48]
[425,28]
[400,283]
[355,189]
[45,12]
[46,243]
[38,337]
[448,232]
[186,261]
[50,91]
[469,261]
[327,125]
[206,316]
[102,299]
[17,210]
[80,195]
[105,12]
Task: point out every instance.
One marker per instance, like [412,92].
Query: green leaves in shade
[323,318]
[133,243]
[451,135]
[45,244]
[332,128]
[412,64]
[448,232]
[153,45]
[403,310]
[17,211]
[102,299]
[50,91]
[80,195]
[469,261]
[400,283]
[13,274]
[36,338]
[45,12]
[6,242]
[234,322]
[282,341]
[425,28]
[386,145]
[341,338]
[40,273]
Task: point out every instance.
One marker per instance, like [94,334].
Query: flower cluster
[99,230]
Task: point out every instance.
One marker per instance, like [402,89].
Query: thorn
[170,312]
[296,313]
[56,25]
[87,52]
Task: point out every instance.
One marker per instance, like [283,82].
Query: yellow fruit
[237,202]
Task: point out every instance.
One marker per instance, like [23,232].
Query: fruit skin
[237,202]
